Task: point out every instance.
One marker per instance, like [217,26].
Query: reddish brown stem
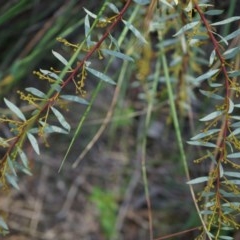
[98,44]
[223,132]
[216,47]
[220,151]
[71,77]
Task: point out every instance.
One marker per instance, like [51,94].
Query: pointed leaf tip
[198,180]
[101,75]
[137,34]
[33,142]
[15,109]
[61,119]
[186,28]
[211,116]
[60,58]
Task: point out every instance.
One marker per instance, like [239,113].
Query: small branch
[98,44]
[20,137]
[216,46]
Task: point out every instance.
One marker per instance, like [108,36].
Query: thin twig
[122,213]
[105,121]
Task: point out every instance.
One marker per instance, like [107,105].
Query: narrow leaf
[50,74]
[36,92]
[189,7]
[208,194]
[231,53]
[235,117]
[15,109]
[212,57]
[166,3]
[233,35]
[74,98]
[215,85]
[221,37]
[229,145]
[3,224]
[205,5]
[92,15]
[211,95]
[175,61]
[232,174]
[114,8]
[169,42]
[221,171]
[117,54]
[207,75]
[60,58]
[10,164]
[235,132]
[234,73]
[33,142]
[214,12]
[86,25]
[142,2]
[186,28]
[230,105]
[227,194]
[114,42]
[26,171]
[205,134]
[100,75]
[209,204]
[23,158]
[211,116]
[228,20]
[52,129]
[34,130]
[61,119]
[56,87]
[206,212]
[226,238]
[234,155]
[237,182]
[204,144]
[12,180]
[198,180]
[87,30]
[231,204]
[235,125]
[227,228]
[137,34]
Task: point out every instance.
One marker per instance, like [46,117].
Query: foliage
[21,56]
[107,207]
[168,54]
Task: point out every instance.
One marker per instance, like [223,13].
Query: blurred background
[103,197]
